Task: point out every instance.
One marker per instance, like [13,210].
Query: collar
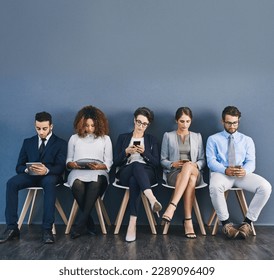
[47,138]
[226,134]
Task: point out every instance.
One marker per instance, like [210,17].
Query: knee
[187,168]
[192,181]
[266,188]
[50,180]
[137,168]
[132,182]
[214,189]
[12,184]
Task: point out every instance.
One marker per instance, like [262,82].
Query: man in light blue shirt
[231,160]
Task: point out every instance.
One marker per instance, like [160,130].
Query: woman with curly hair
[89,160]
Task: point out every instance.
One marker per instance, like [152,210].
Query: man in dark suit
[50,151]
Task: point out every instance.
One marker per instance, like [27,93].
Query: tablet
[83,162]
[29,164]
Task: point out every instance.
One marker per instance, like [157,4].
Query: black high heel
[190,235]
[166,218]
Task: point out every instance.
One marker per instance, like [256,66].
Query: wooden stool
[243,205]
[29,202]
[195,207]
[124,204]
[101,212]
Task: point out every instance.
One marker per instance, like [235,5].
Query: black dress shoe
[75,234]
[91,227]
[10,234]
[92,231]
[77,231]
[47,237]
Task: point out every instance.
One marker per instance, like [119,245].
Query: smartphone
[238,166]
[136,143]
[185,160]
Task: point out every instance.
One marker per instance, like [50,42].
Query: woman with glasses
[89,160]
[137,157]
[183,158]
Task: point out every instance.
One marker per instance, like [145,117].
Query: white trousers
[219,183]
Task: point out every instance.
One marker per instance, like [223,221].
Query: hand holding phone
[136,143]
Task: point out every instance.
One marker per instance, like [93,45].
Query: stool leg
[199,216]
[104,211]
[166,227]
[211,218]
[217,222]
[53,229]
[100,216]
[215,227]
[72,216]
[121,212]
[32,205]
[61,211]
[149,213]
[25,207]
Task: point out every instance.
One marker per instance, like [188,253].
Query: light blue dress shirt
[217,152]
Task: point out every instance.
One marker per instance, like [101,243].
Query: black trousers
[138,177]
[23,181]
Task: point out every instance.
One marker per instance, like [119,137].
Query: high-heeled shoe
[156,207]
[166,218]
[131,236]
[190,235]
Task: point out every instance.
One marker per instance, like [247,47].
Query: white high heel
[156,207]
[131,236]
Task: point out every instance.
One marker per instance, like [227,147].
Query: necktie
[42,146]
[231,151]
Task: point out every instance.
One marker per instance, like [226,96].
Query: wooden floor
[173,246]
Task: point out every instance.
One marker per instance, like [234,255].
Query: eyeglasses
[231,123]
[139,123]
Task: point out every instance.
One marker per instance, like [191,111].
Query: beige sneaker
[230,231]
[245,230]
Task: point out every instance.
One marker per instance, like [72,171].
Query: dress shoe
[156,207]
[190,235]
[131,235]
[47,237]
[78,231]
[91,227]
[245,230]
[166,218]
[75,234]
[92,231]
[10,234]
[230,231]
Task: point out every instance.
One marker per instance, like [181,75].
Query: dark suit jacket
[151,155]
[54,154]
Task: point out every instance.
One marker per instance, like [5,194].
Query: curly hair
[98,117]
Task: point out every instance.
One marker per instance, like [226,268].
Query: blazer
[170,150]
[53,156]
[151,155]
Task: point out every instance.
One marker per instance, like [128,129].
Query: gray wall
[59,55]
